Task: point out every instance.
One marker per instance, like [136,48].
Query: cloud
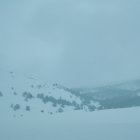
[73,42]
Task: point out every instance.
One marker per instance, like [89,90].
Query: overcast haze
[73,42]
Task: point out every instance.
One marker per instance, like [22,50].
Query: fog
[73,42]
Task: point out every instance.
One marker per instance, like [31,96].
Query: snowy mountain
[23,94]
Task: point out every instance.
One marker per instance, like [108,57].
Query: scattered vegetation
[27,95]
[15,107]
[1,94]
[27,108]
[60,110]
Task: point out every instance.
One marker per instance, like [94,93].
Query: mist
[75,42]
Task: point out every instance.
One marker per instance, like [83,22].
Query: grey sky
[73,42]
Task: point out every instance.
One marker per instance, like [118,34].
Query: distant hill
[121,95]
[21,95]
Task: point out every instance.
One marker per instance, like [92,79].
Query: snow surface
[118,124]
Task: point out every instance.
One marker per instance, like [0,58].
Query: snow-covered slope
[20,95]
